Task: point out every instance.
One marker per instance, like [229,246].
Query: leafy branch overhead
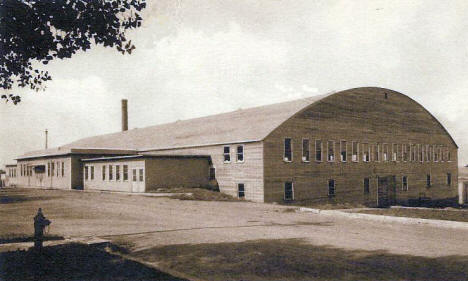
[37,30]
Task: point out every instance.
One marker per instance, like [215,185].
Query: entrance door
[386,191]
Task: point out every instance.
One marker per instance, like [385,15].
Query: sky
[197,58]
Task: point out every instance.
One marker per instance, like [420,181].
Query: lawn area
[74,262]
[435,214]
[295,259]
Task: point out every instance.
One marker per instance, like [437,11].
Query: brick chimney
[124,115]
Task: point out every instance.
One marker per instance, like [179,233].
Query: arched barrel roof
[246,125]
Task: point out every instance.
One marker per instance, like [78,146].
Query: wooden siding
[228,175]
[43,180]
[189,172]
[362,115]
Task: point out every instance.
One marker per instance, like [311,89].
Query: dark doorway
[386,191]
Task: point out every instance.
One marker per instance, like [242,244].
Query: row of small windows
[12,173]
[289,191]
[239,154]
[25,170]
[376,151]
[137,174]
[56,169]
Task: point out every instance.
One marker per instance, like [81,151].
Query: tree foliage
[38,30]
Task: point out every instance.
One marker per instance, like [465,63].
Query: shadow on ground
[294,259]
[19,238]
[20,198]
[74,262]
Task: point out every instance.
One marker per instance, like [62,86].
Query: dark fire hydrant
[40,222]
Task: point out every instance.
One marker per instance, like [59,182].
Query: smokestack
[124,115]
[46,138]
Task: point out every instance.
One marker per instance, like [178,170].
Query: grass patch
[19,238]
[198,194]
[326,206]
[294,259]
[435,214]
[74,262]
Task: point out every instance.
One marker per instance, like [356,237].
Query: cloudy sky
[196,58]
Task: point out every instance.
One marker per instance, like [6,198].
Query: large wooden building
[370,145]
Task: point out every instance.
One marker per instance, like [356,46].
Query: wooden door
[386,191]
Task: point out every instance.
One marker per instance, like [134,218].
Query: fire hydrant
[40,222]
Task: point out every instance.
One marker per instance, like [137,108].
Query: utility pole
[46,138]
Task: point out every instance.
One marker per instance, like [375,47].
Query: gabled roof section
[244,125]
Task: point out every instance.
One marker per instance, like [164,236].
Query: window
[63,169]
[117,172]
[449,179]
[449,157]
[125,172]
[318,150]
[385,152]
[331,188]
[366,186]
[141,174]
[428,180]
[343,151]
[86,172]
[441,153]
[413,152]
[394,152]
[365,152]
[404,183]
[52,169]
[288,191]
[330,151]
[240,190]
[134,175]
[404,153]
[227,154]
[287,150]
[436,154]
[376,152]
[212,173]
[58,168]
[92,172]
[355,151]
[240,153]
[430,153]
[48,169]
[305,150]
[421,152]
[111,173]
[103,172]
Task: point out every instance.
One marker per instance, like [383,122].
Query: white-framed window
[436,153]
[92,172]
[376,149]
[430,153]
[240,190]
[343,151]
[305,150]
[227,154]
[330,151]
[125,172]
[395,152]
[385,155]
[111,173]
[103,170]
[134,174]
[413,152]
[48,169]
[52,173]
[355,151]
[404,183]
[441,153]
[422,150]
[117,172]
[63,169]
[318,150]
[86,173]
[288,191]
[331,188]
[240,153]
[366,186]
[365,152]
[287,151]
[212,173]
[58,169]
[449,156]
[141,175]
